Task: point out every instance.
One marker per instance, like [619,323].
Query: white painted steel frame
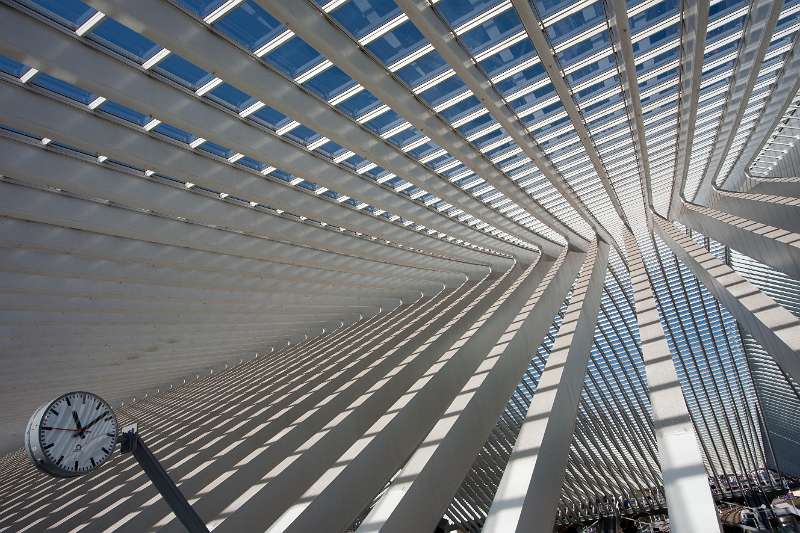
[690,504]
[525,498]
[159,20]
[774,327]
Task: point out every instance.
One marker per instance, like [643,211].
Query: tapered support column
[775,328]
[775,247]
[689,501]
[529,492]
[777,211]
[420,493]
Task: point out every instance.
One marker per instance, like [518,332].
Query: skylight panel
[11,67]
[398,43]
[576,23]
[247,24]
[270,117]
[490,28]
[330,82]
[303,135]
[201,8]
[208,86]
[61,87]
[124,113]
[358,104]
[384,122]
[215,149]
[173,132]
[330,149]
[182,71]
[364,18]
[587,57]
[443,91]
[123,40]
[293,57]
[155,58]
[70,13]
[507,57]
[354,162]
[230,97]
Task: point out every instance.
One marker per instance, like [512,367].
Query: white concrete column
[775,328]
[422,490]
[778,248]
[529,492]
[689,501]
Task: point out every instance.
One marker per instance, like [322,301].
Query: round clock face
[72,435]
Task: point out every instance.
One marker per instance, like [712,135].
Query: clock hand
[78,423]
[95,421]
[61,429]
[77,420]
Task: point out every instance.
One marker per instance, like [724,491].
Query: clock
[71,435]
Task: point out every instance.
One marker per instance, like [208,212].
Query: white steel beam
[438,34]
[773,186]
[775,247]
[422,490]
[775,328]
[396,421]
[317,30]
[313,435]
[22,202]
[777,211]
[85,253]
[690,504]
[782,95]
[40,115]
[757,35]
[693,40]
[31,41]
[621,38]
[534,28]
[159,21]
[529,492]
[35,165]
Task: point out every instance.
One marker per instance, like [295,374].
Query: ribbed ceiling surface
[187,184]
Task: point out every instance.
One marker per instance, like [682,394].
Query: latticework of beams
[324,252]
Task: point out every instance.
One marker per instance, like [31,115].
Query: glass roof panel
[293,57]
[492,31]
[231,97]
[249,25]
[330,83]
[201,8]
[123,40]
[397,43]
[9,66]
[182,71]
[362,17]
[576,23]
[63,88]
[71,13]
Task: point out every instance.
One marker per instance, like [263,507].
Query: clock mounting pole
[130,441]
